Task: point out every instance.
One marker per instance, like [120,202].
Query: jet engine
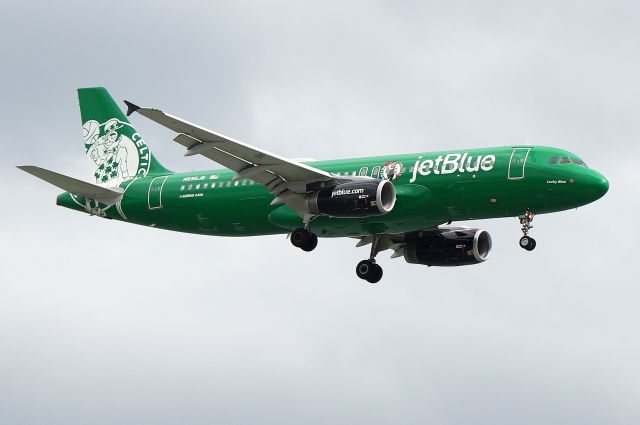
[447,247]
[353,199]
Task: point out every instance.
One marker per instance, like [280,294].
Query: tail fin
[115,151]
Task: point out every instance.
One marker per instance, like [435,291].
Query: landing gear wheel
[363,268]
[377,274]
[369,271]
[528,243]
[310,244]
[304,239]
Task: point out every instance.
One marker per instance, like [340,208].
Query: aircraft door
[517,163]
[155,192]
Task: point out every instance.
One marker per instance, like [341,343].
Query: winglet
[131,108]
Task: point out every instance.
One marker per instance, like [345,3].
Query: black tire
[525,242]
[299,237]
[363,269]
[376,274]
[532,245]
[311,243]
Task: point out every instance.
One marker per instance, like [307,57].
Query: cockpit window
[566,160]
[578,161]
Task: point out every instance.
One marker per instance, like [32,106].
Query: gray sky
[107,323]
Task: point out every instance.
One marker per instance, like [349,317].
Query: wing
[75,186]
[287,179]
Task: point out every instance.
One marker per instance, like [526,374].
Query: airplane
[401,202]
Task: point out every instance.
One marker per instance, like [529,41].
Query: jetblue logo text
[452,163]
[341,192]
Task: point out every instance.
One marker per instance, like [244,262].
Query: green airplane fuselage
[432,188]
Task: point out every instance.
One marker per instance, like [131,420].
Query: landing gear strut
[526,241]
[369,270]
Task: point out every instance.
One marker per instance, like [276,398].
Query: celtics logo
[392,170]
[115,151]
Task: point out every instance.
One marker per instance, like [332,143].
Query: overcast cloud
[104,322]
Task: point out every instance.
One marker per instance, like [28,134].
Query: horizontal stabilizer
[75,186]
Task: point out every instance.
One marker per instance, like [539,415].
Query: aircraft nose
[599,185]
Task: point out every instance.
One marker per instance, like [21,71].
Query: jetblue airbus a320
[400,202]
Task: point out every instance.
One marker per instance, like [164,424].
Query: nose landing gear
[369,270]
[526,241]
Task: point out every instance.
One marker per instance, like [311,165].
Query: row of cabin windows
[375,173]
[213,185]
[566,160]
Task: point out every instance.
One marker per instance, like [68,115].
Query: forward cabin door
[517,163]
[155,192]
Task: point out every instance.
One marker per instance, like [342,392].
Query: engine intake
[355,199]
[448,247]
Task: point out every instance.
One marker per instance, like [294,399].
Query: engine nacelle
[355,199]
[448,247]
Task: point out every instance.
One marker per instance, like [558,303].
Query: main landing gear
[304,239]
[369,270]
[526,241]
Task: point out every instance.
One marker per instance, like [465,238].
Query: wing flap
[205,149]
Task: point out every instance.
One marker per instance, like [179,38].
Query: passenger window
[229,183]
[205,186]
[236,183]
[363,171]
[244,182]
[197,186]
[565,160]
[375,171]
[190,187]
[553,160]
[251,182]
[182,187]
[220,184]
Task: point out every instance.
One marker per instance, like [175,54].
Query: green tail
[115,151]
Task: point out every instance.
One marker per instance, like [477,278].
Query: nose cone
[601,185]
[598,185]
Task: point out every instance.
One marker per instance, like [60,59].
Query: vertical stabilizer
[115,150]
